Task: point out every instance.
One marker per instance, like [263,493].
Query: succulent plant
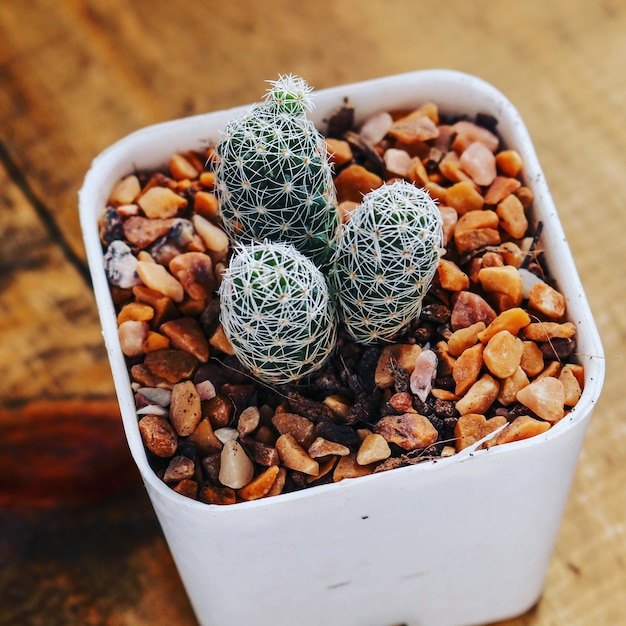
[276,311]
[385,260]
[273,177]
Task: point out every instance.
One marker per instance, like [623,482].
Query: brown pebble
[204,439]
[248,421]
[186,334]
[185,409]
[194,271]
[294,456]
[187,487]
[522,427]
[473,427]
[373,448]
[545,397]
[480,396]
[161,202]
[353,182]
[125,191]
[322,447]
[467,368]
[504,280]
[409,430]
[545,331]
[158,435]
[546,300]
[301,428]
[259,486]
[179,468]
[211,494]
[347,467]
[502,354]
[402,355]
[157,278]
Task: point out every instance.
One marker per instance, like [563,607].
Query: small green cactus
[273,177]
[276,311]
[385,260]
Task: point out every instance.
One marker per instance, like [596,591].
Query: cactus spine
[385,260]
[274,180]
[276,311]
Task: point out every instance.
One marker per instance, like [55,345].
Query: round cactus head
[276,311]
[273,177]
[290,94]
[385,260]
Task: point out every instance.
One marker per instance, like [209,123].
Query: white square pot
[464,540]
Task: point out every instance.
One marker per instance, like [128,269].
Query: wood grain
[77,75]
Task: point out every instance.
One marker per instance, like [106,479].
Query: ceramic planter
[464,540]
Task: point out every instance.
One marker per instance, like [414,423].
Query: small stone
[187,487]
[409,430]
[339,152]
[545,331]
[376,127]
[545,397]
[261,453]
[135,311]
[259,486]
[206,204]
[302,429]
[132,334]
[504,280]
[413,129]
[125,191]
[503,354]
[219,410]
[546,300]
[236,469]
[466,368]
[327,466]
[156,277]
[322,447]
[464,338]
[120,265]
[473,427]
[194,271]
[500,188]
[424,374]
[512,216]
[509,162]
[479,162]
[213,236]
[339,433]
[476,229]
[220,342]
[511,320]
[161,397]
[185,333]
[339,405]
[480,396]
[374,448]
[522,427]
[279,483]
[161,202]
[451,276]
[571,385]
[185,409]
[181,168]
[401,402]
[468,132]
[294,456]
[142,231]
[206,390]
[449,218]
[158,436]
[225,434]
[204,438]
[511,385]
[397,162]
[470,308]
[210,494]
[347,467]
[354,181]
[179,468]
[248,421]
[532,361]
[450,168]
[153,409]
[401,355]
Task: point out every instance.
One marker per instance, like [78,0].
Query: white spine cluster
[385,260]
[276,311]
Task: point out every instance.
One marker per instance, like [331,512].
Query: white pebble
[153,409]
[206,390]
[162,397]
[528,279]
[120,265]
[236,469]
[226,434]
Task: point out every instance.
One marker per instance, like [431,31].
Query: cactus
[273,178]
[385,260]
[276,311]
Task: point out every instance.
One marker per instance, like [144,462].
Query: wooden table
[79,543]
